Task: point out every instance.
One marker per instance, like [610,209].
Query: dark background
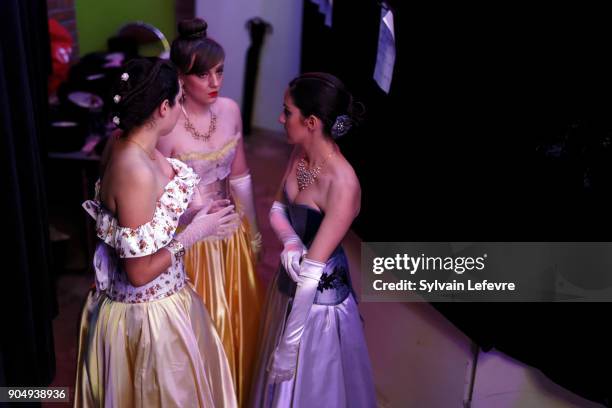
[497,128]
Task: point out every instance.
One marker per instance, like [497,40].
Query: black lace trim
[334,280]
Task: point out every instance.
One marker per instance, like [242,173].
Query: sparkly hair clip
[341,126]
[125,76]
[116,120]
[117,98]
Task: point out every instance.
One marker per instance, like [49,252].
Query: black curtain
[347,49]
[28,297]
[452,153]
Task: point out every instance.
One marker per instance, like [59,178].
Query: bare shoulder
[229,114]
[343,192]
[341,189]
[228,105]
[128,169]
[135,192]
[126,176]
[342,175]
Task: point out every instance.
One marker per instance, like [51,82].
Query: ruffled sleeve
[148,238]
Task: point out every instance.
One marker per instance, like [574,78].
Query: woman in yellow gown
[208,137]
[145,338]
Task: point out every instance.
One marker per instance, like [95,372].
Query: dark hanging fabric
[317,41]
[348,49]
[28,293]
[449,154]
[257,30]
[515,88]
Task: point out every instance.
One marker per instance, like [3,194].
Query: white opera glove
[284,359]
[293,248]
[195,207]
[205,224]
[242,191]
[291,256]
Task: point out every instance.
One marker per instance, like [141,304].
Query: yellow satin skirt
[222,272]
[163,353]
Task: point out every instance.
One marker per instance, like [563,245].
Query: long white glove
[242,191]
[284,360]
[293,248]
[194,209]
[205,224]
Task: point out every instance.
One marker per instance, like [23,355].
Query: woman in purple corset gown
[313,350]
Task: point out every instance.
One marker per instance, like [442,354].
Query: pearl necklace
[306,177]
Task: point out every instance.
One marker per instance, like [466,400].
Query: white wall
[280,55]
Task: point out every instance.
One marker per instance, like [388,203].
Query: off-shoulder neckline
[178,168]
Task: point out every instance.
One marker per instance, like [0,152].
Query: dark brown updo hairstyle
[143,84]
[192,51]
[324,96]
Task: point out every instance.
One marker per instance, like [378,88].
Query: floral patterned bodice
[124,242]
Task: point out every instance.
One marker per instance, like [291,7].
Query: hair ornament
[341,126]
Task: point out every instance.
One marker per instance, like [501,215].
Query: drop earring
[184,95]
